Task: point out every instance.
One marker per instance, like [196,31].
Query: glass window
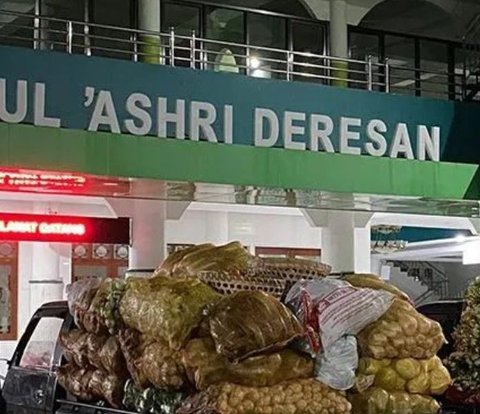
[308,38]
[401,54]
[269,32]
[111,42]
[17,31]
[54,34]
[434,64]
[41,346]
[361,46]
[227,26]
[184,19]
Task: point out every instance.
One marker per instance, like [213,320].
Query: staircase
[432,280]
[471,60]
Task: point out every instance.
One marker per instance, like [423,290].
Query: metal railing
[427,274]
[177,49]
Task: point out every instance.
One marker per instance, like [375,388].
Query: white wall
[251,229]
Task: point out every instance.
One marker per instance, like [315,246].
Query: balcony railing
[189,50]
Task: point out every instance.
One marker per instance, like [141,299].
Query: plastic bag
[401,333]
[206,367]
[365,280]
[163,367]
[247,323]
[379,401]
[307,396]
[165,308]
[341,309]
[429,377]
[336,365]
[79,296]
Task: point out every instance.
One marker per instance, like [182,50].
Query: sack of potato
[306,396]
[428,377]
[401,332]
[205,367]
[379,401]
[366,280]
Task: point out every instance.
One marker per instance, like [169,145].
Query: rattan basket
[227,284]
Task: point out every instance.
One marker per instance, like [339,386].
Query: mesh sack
[165,308]
[248,323]
[133,345]
[293,397]
[401,332]
[206,367]
[79,297]
[365,280]
[378,401]
[163,367]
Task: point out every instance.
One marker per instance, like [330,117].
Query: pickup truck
[30,385]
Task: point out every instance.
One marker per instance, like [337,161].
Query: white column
[148,234]
[45,282]
[345,239]
[338,28]
[149,20]
[149,15]
[217,227]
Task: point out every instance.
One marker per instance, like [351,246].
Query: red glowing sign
[53,228]
[23,179]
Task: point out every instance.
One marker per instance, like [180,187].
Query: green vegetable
[151,400]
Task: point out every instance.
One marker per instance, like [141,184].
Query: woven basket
[227,284]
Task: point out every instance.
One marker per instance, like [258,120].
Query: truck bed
[69,407]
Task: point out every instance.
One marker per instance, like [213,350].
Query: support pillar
[217,231]
[148,248]
[150,48]
[45,282]
[345,239]
[339,41]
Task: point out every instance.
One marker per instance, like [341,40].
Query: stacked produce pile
[398,370]
[203,337]
[465,360]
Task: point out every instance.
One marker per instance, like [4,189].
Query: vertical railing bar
[369,73]
[289,69]
[36,26]
[192,50]
[172,46]
[387,75]
[69,36]
[133,39]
